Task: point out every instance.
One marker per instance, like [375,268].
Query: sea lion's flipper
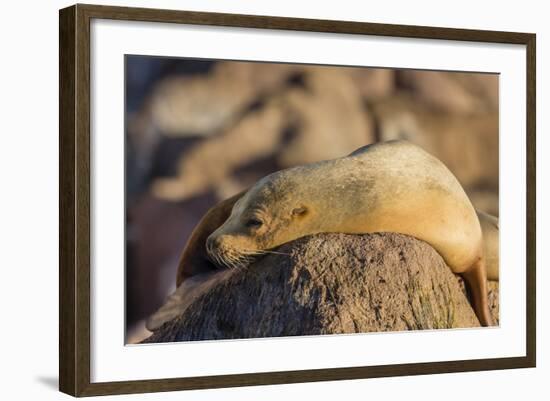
[185,294]
[476,280]
[193,259]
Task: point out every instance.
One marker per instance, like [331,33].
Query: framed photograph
[250,200]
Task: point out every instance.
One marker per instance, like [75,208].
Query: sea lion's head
[271,213]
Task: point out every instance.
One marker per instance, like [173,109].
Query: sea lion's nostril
[213,243]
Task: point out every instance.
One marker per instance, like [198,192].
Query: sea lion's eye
[299,211]
[254,223]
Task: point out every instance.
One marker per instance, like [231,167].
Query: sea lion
[391,186]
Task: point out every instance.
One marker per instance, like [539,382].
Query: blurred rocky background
[198,131]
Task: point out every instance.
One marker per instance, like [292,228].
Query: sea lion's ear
[299,211]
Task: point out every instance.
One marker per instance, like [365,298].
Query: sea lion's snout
[214,247]
[212,243]
[224,251]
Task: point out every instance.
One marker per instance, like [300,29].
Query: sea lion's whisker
[276,253]
[228,261]
[253,252]
[234,259]
[262,252]
[220,261]
[242,259]
[235,262]
[241,263]
[214,257]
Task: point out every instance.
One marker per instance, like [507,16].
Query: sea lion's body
[387,187]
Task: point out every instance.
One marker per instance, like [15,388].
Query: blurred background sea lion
[199,131]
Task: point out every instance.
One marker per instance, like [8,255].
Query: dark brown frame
[74,202]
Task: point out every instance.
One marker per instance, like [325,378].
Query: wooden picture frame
[75,207]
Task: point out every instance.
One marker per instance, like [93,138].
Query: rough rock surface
[329,284]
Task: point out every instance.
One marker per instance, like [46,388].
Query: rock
[329,116]
[493,295]
[322,117]
[197,106]
[374,83]
[203,105]
[326,284]
[452,92]
[211,163]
